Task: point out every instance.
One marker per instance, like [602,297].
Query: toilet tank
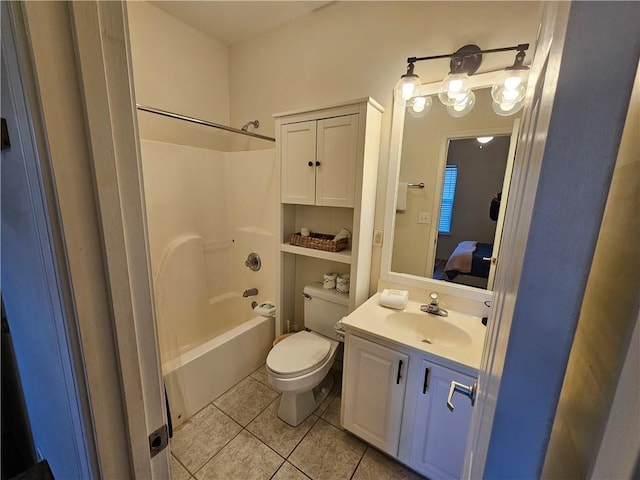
[323,308]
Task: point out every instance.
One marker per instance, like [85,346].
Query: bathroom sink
[424,327]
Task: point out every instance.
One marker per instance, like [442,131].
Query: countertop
[371,318]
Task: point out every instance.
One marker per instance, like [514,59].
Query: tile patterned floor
[239,436]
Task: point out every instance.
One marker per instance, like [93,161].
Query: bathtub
[207,344]
[199,375]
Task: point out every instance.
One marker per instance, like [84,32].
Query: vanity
[398,369]
[404,370]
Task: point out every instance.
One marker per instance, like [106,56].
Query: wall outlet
[424,217]
[377,238]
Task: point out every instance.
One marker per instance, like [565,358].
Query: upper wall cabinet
[319,161]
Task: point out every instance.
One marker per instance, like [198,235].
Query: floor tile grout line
[177,460]
[359,461]
[193,474]
[214,455]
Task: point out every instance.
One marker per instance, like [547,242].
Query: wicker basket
[319,241]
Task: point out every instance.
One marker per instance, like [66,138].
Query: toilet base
[296,407]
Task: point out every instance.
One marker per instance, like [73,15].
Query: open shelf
[344,256]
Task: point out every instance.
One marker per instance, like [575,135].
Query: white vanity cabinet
[374,390]
[319,160]
[439,437]
[395,398]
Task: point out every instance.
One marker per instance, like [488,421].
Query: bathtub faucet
[250,293]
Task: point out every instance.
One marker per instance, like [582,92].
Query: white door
[337,161]
[505,188]
[374,393]
[298,151]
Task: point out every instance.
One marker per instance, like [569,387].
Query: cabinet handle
[317,164]
[399,372]
[425,385]
[468,391]
[310,163]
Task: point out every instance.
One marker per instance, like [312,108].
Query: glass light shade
[454,86]
[408,85]
[511,86]
[504,109]
[419,106]
[463,105]
[484,140]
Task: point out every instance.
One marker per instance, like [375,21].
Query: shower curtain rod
[199,121]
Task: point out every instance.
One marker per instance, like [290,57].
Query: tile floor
[239,436]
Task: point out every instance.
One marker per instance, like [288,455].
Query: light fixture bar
[521,48]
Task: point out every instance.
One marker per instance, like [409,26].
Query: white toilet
[298,365]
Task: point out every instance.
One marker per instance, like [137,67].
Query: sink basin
[424,327]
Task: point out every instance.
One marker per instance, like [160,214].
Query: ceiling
[233,21]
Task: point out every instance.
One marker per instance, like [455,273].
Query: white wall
[179,69]
[354,49]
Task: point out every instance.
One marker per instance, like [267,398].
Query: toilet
[298,366]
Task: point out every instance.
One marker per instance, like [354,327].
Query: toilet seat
[298,354]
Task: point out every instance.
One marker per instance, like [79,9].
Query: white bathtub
[198,376]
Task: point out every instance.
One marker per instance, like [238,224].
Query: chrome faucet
[434,306]
[250,293]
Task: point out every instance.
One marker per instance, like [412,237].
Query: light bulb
[453,87]
[511,87]
[504,109]
[512,82]
[463,105]
[408,83]
[419,106]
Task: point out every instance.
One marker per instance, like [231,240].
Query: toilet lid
[298,354]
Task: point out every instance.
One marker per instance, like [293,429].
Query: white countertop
[371,318]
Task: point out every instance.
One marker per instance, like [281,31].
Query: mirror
[442,225]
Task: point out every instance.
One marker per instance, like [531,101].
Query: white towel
[401,201]
[394,298]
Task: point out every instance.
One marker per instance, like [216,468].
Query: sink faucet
[250,293]
[434,306]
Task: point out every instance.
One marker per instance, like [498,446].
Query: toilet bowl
[299,366]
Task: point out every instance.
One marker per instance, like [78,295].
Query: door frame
[78,54]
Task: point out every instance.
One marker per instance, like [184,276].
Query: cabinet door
[337,161]
[440,435]
[298,153]
[374,393]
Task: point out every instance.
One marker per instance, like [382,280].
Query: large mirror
[449,183]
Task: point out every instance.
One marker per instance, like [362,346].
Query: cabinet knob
[317,164]
[310,163]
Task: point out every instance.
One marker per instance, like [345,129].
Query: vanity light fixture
[507,93]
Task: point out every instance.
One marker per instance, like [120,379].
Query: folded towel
[266,309]
[401,200]
[344,233]
[338,329]
[394,298]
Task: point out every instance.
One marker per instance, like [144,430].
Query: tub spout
[250,293]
